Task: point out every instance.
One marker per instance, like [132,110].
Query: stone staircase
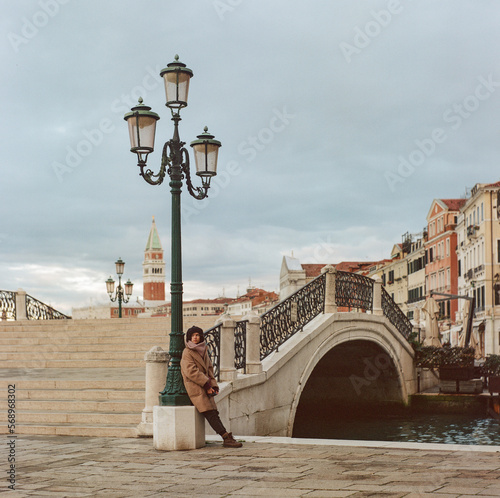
[77,377]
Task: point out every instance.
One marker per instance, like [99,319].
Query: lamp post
[174,162]
[121,294]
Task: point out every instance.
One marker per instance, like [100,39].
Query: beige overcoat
[196,371]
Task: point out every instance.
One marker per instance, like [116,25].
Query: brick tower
[153,274]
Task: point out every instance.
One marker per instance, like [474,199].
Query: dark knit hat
[192,330]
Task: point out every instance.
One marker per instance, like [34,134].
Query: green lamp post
[121,295]
[174,162]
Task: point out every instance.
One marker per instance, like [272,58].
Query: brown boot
[229,441]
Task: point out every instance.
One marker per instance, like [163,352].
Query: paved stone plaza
[66,466]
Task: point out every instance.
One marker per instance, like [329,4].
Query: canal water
[419,428]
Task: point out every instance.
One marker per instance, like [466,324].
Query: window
[482,211]
[447,247]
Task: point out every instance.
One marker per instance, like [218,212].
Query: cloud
[315,179]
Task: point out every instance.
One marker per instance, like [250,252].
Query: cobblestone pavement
[68,466]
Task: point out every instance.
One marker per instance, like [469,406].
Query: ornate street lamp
[174,162]
[121,295]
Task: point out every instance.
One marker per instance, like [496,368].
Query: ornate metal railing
[393,312]
[7,305]
[240,345]
[212,338]
[36,310]
[353,291]
[288,317]
[434,357]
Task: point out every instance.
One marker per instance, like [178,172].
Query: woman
[198,374]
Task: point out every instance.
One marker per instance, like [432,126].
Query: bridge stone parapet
[337,357]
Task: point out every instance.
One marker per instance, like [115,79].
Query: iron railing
[7,305]
[212,338]
[240,345]
[353,291]
[393,312]
[36,310]
[288,317]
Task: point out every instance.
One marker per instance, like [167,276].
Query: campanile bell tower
[153,274]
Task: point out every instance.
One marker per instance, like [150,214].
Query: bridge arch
[359,362]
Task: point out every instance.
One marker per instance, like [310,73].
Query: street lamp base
[174,400]
[178,428]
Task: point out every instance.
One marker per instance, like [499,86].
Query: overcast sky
[340,122]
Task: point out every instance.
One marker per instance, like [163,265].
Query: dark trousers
[212,417]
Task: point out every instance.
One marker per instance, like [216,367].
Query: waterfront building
[254,299]
[394,276]
[441,269]
[478,253]
[415,261]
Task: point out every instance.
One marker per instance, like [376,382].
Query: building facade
[478,252]
[415,261]
[441,270]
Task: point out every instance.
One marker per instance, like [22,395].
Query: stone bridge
[339,343]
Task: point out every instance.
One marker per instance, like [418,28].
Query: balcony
[472,230]
[478,269]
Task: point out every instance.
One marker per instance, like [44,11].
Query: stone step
[82,340]
[72,355]
[99,324]
[63,384]
[50,346]
[77,405]
[76,418]
[83,332]
[84,394]
[42,363]
[75,430]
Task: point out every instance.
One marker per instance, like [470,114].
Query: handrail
[240,345]
[7,305]
[353,291]
[212,338]
[36,310]
[291,315]
[393,312]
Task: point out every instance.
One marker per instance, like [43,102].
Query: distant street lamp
[120,294]
[174,162]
